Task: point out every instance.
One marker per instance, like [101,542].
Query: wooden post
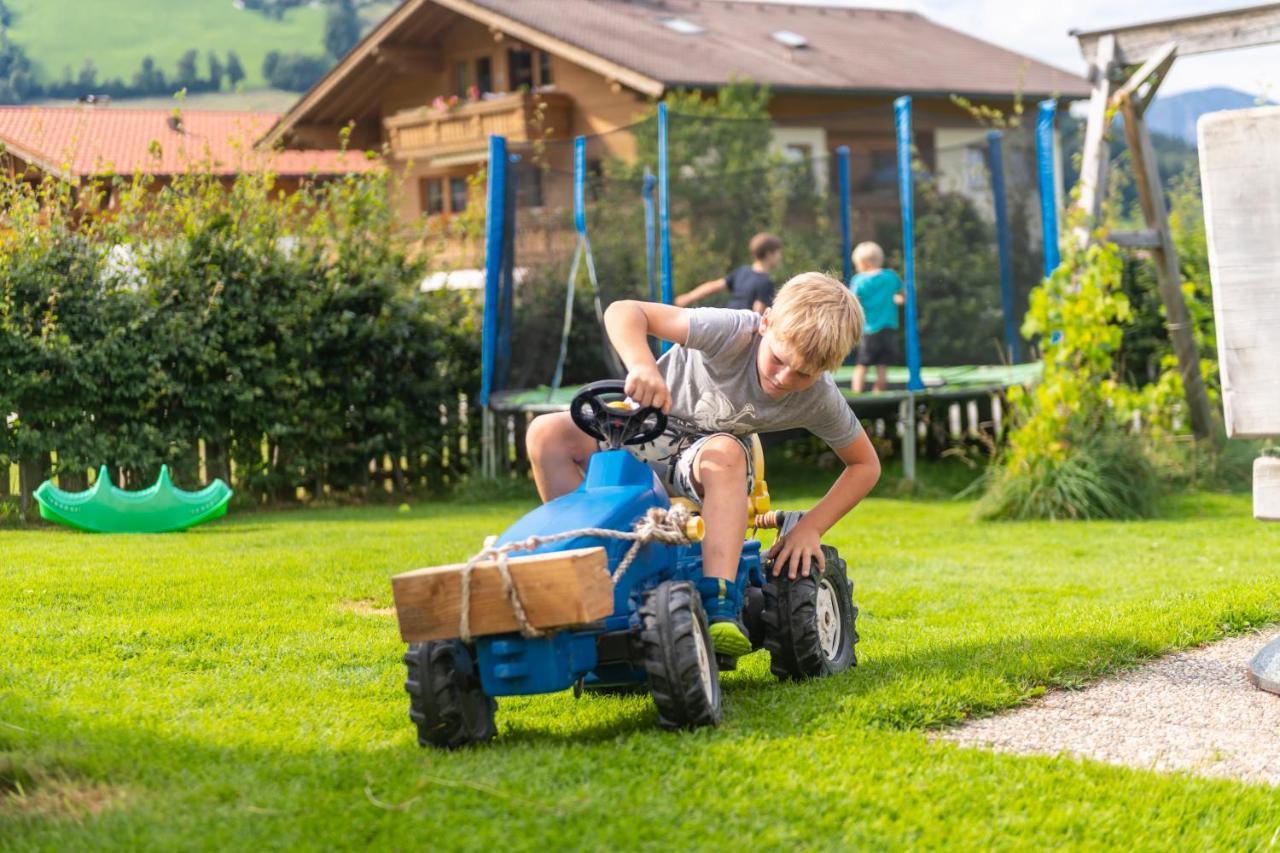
[1093,170]
[1168,275]
[1154,45]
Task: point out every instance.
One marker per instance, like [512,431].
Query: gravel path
[1193,711]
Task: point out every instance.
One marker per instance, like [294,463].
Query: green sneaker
[729,639]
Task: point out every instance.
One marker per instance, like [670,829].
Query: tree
[6,16]
[269,63]
[294,72]
[87,79]
[235,71]
[341,28]
[17,82]
[149,80]
[216,71]
[188,74]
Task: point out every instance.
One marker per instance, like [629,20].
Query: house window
[432,196]
[520,65]
[529,192]
[883,171]
[797,152]
[460,78]
[545,77]
[484,74]
[457,195]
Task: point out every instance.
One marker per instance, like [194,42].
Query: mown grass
[237,687]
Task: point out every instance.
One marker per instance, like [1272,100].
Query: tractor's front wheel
[679,657]
[446,701]
[809,622]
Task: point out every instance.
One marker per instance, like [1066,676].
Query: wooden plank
[1155,67]
[1168,275]
[1144,239]
[557,589]
[1240,178]
[1226,30]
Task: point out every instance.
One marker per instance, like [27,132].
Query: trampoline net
[732,178]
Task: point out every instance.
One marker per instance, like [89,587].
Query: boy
[749,287]
[880,292]
[731,373]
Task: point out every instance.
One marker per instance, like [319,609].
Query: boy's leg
[859,378]
[720,476]
[882,377]
[558,453]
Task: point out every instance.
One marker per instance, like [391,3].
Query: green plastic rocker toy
[157,509]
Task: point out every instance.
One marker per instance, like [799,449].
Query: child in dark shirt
[749,286]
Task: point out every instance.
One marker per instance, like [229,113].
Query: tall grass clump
[1072,453]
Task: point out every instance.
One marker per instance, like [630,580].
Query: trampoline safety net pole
[902,122]
[1045,169]
[495,239]
[995,161]
[650,237]
[846,231]
[664,212]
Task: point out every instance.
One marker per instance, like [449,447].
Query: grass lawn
[236,687]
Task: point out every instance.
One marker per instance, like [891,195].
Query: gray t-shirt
[715,386]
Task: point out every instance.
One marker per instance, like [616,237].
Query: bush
[285,332]
[1100,474]
[1071,454]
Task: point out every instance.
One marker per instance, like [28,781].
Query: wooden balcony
[425,133]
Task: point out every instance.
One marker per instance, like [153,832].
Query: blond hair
[819,319]
[868,255]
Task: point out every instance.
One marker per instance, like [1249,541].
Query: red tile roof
[85,141]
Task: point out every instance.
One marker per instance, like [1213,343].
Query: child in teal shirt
[880,292]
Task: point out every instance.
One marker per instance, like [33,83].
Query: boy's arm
[702,291]
[629,323]
[803,544]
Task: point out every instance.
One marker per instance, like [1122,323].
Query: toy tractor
[642,629]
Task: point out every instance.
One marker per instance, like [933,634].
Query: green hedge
[283,331]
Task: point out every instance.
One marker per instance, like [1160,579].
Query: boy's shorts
[878,348]
[672,455]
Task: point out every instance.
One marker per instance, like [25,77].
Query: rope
[663,525]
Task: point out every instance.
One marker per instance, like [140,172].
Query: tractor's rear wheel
[679,657]
[810,621]
[446,701]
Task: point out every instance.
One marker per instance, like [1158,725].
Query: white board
[1240,181]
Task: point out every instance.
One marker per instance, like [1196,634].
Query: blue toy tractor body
[617,492]
[657,637]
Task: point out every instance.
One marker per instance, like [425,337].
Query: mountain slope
[117,34]
[1176,115]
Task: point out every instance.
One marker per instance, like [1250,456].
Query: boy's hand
[796,551]
[646,386]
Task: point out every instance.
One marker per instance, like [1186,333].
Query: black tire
[679,657]
[793,611]
[753,616]
[446,701]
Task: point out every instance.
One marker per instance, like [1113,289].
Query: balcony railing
[426,132]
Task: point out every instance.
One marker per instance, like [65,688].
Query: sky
[1039,28]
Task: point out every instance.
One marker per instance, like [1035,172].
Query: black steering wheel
[602,411]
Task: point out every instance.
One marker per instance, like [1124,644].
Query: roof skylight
[790,39]
[680,25]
